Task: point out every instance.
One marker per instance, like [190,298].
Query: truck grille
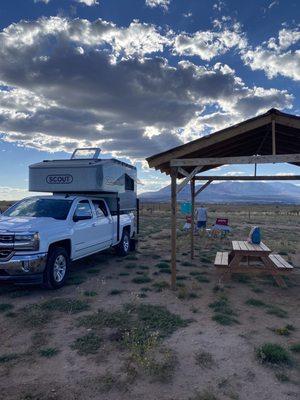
[5,254]
[6,238]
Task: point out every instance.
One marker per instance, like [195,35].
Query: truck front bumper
[23,268]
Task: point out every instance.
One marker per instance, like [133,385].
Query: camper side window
[100,208]
[129,183]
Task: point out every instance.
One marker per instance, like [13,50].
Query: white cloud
[273,4]
[72,82]
[158,3]
[8,193]
[233,173]
[277,56]
[88,2]
[219,5]
[209,44]
[136,39]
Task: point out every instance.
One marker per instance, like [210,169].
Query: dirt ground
[148,342]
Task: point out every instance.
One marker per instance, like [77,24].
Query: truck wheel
[57,268]
[124,246]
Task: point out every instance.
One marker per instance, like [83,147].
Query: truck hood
[28,224]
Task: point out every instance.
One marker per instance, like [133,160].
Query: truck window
[100,208]
[40,207]
[83,209]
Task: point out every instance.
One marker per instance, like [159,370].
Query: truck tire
[57,268]
[123,247]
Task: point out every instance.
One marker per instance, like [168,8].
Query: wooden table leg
[234,263]
[271,267]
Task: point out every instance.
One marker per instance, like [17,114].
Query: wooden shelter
[273,137]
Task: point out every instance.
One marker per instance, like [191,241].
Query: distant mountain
[234,192]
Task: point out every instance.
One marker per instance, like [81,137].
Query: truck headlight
[27,241]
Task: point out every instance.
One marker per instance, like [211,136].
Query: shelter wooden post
[273,137]
[173,226]
[193,216]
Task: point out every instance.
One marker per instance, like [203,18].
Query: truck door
[103,225]
[83,220]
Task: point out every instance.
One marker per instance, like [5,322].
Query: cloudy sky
[136,77]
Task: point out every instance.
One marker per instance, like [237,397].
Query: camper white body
[107,176]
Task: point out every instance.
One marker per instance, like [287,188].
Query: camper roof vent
[86,153]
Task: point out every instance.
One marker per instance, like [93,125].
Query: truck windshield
[40,207]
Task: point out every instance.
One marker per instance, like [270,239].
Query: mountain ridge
[234,192]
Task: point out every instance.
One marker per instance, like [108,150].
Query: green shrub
[48,352]
[130,266]
[76,280]
[273,353]
[141,279]
[282,377]
[159,286]
[87,344]
[106,319]
[255,302]
[67,305]
[202,279]
[115,292]
[93,271]
[5,307]
[224,319]
[204,359]
[90,293]
[163,265]
[158,318]
[279,312]
[295,347]
[285,330]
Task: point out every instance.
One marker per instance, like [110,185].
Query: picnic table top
[245,246]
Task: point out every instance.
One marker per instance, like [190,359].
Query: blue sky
[136,77]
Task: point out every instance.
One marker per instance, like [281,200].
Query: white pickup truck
[41,235]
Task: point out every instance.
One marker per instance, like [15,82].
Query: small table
[259,260]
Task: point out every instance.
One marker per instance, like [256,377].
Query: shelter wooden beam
[188,178]
[248,178]
[256,159]
[173,226]
[183,171]
[203,186]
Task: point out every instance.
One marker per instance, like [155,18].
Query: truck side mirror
[77,218]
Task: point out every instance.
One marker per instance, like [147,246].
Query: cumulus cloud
[277,56]
[65,83]
[210,43]
[88,2]
[158,3]
[10,193]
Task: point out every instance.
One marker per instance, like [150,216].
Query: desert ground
[117,331]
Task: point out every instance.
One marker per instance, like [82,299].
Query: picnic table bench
[250,258]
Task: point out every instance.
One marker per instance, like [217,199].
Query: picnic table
[250,258]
